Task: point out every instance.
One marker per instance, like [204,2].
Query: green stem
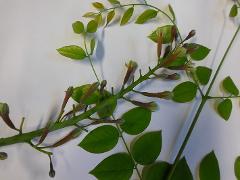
[26,137]
[90,59]
[204,100]
[129,152]
[222,97]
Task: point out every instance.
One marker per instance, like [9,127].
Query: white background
[33,78]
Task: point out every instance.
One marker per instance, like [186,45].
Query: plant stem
[204,100]
[222,97]
[129,152]
[90,59]
[26,137]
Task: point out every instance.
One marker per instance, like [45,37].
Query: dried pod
[174,76]
[102,86]
[73,134]
[169,59]
[162,95]
[3,155]
[152,106]
[4,113]
[131,67]
[45,132]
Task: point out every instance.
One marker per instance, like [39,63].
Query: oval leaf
[109,107]
[136,120]
[182,171]
[100,140]
[209,168]
[127,16]
[99,19]
[184,92]
[156,171]
[199,52]
[78,27]
[230,86]
[92,26]
[114,1]
[146,15]
[73,52]
[166,32]
[146,149]
[233,11]
[203,74]
[110,16]
[118,167]
[98,5]
[78,93]
[225,109]
[237,168]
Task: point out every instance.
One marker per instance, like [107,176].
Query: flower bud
[162,95]
[152,106]
[51,171]
[102,86]
[4,113]
[3,155]
[191,34]
[131,67]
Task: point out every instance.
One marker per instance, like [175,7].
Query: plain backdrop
[33,78]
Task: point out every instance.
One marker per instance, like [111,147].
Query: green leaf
[156,171]
[118,167]
[209,168]
[78,27]
[136,120]
[127,16]
[92,45]
[146,148]
[237,168]
[225,109]
[109,107]
[110,16]
[73,52]
[184,92]
[100,140]
[182,171]
[146,15]
[99,19]
[172,12]
[98,5]
[230,86]
[92,26]
[199,53]
[203,74]
[90,15]
[78,92]
[166,32]
[114,1]
[233,11]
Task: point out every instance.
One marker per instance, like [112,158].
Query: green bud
[3,155]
